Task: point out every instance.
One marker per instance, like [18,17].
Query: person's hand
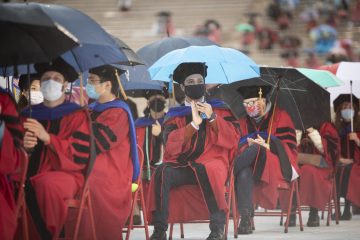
[37,129]
[259,140]
[204,108]
[30,140]
[354,137]
[346,161]
[195,114]
[156,128]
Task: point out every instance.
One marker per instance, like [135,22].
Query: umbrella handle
[351,102]
[81,89]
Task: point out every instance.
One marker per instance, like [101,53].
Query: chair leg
[130,226]
[234,212]
[289,208]
[298,205]
[181,230]
[281,218]
[143,206]
[171,231]
[322,215]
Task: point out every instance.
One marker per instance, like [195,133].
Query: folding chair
[135,199]
[231,203]
[332,203]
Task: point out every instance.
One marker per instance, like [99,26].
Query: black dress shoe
[292,220]
[313,221]
[245,226]
[346,216]
[216,235]
[158,235]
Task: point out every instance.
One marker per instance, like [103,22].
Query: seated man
[116,164]
[10,155]
[196,152]
[57,135]
[260,164]
[318,155]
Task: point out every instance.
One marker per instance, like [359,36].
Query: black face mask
[157,105]
[195,91]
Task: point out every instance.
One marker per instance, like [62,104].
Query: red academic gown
[151,146]
[353,194]
[56,170]
[111,178]
[212,160]
[315,182]
[10,157]
[272,167]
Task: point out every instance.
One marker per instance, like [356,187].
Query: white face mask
[52,90]
[36,97]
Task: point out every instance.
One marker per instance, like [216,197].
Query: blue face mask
[91,92]
[347,114]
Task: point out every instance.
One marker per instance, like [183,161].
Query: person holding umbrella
[11,154]
[263,161]
[57,135]
[116,164]
[198,138]
[346,108]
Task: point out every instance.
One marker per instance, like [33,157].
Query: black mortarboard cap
[186,69]
[57,65]
[24,83]
[345,98]
[253,91]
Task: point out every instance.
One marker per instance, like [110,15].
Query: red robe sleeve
[331,144]
[71,145]
[110,129]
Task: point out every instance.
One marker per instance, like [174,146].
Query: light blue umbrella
[225,65]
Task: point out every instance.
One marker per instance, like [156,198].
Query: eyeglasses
[93,81]
[250,104]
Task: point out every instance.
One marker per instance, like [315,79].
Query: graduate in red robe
[348,175]
[197,150]
[57,137]
[316,180]
[11,153]
[261,166]
[116,164]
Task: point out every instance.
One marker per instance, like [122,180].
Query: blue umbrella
[225,65]
[153,51]
[96,48]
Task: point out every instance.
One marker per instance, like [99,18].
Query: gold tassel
[260,92]
[120,85]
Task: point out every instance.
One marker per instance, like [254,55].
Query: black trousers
[244,181]
[167,178]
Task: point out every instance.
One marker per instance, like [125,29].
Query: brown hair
[339,121]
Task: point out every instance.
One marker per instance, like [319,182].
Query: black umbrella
[307,103]
[131,56]
[30,36]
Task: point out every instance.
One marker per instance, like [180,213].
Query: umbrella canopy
[153,51]
[307,103]
[323,78]
[225,65]
[346,71]
[97,47]
[30,35]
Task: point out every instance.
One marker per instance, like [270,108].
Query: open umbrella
[153,51]
[29,35]
[323,78]
[307,103]
[225,65]
[346,71]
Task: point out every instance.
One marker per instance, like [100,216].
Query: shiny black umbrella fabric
[29,35]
